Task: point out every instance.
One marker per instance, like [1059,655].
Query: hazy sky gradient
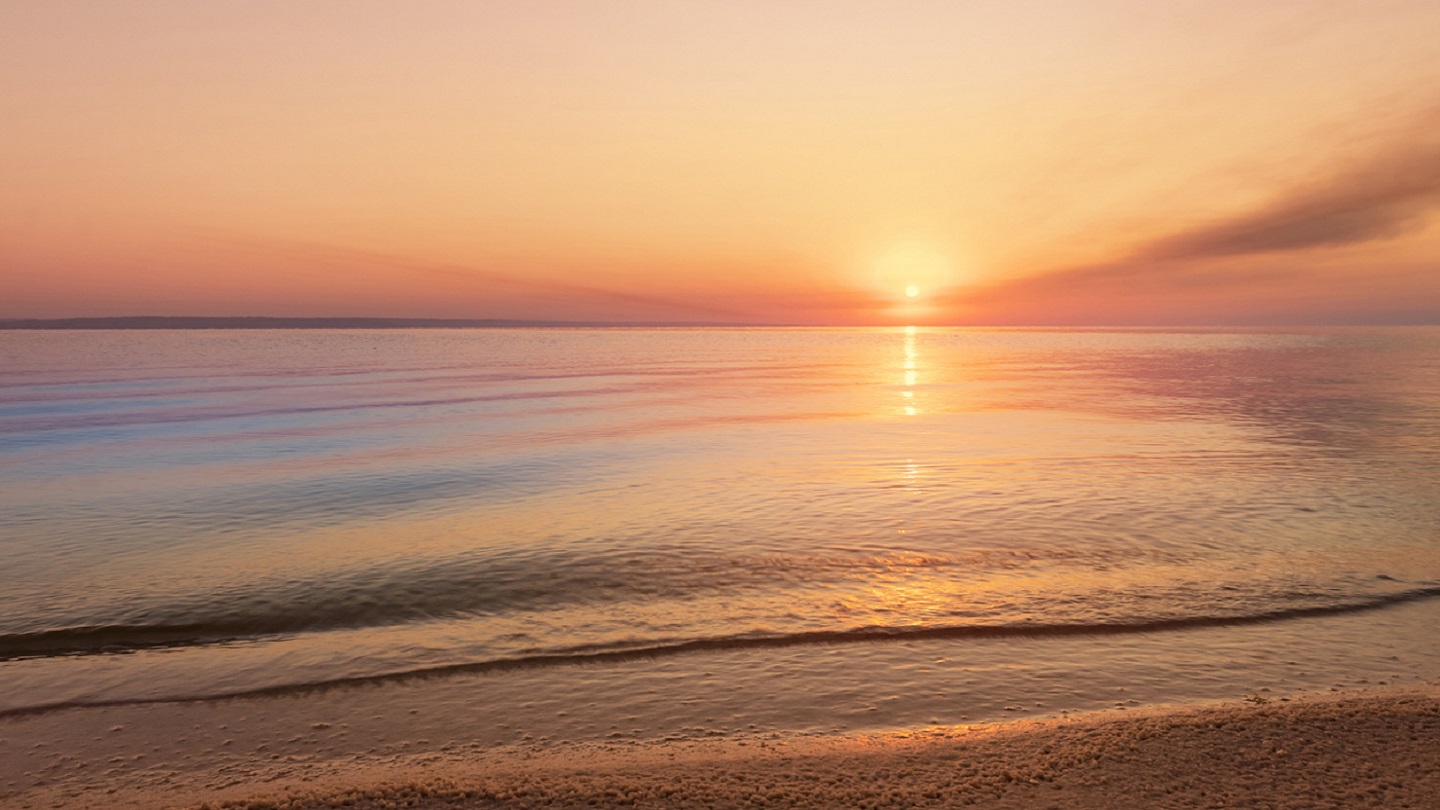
[1110,161]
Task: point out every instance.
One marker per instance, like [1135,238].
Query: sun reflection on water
[910,373]
[910,473]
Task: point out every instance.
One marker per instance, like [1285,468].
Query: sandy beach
[1373,748]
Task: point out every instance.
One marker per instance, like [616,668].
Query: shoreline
[1371,748]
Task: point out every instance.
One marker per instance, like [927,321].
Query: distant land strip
[245,322]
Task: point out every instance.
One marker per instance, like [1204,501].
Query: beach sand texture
[1379,748]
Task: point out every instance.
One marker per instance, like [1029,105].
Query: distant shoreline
[259,322]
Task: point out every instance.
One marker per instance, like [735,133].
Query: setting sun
[912,268]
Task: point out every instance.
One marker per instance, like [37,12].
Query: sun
[912,272]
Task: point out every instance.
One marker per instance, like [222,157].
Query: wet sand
[1377,748]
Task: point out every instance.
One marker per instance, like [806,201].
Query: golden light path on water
[911,371]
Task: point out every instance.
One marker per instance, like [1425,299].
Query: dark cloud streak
[1228,265]
[1379,199]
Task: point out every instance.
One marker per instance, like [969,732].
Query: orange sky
[1099,162]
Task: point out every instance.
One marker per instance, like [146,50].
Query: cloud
[1229,265]
[1379,199]
[554,290]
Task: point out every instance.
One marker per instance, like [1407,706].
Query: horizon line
[194,322]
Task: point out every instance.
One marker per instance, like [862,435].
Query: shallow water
[190,514]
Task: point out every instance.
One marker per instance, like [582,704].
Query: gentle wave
[501,583]
[620,652]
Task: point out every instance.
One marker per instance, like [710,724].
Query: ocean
[892,514]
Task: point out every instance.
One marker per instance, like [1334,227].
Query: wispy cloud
[1386,194]
[543,288]
[1381,198]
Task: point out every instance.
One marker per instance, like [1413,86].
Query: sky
[1107,162]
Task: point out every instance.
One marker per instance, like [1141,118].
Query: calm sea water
[201,513]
